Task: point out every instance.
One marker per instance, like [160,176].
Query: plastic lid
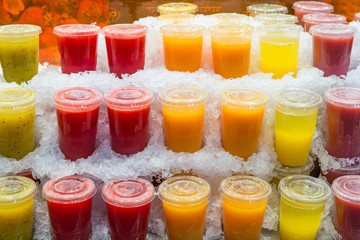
[297,98]
[266,8]
[280,28]
[313,6]
[129,97]
[231,30]
[357,16]
[124,31]
[183,30]
[184,190]
[304,190]
[347,188]
[182,96]
[336,30]
[69,189]
[229,17]
[16,189]
[319,18]
[178,7]
[285,171]
[16,98]
[276,18]
[245,188]
[244,98]
[78,98]
[77,30]
[15,30]
[343,96]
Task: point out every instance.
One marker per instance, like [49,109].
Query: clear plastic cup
[244,203]
[231,46]
[295,119]
[332,45]
[302,204]
[177,8]
[183,110]
[128,207]
[357,17]
[276,18]
[332,174]
[77,45]
[321,18]
[177,17]
[19,51]
[242,115]
[182,47]
[17,127]
[229,17]
[16,207]
[279,48]
[302,8]
[128,111]
[184,201]
[69,201]
[266,8]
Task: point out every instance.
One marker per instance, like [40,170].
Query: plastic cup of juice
[77,45]
[266,8]
[357,17]
[302,204]
[182,47]
[19,51]
[229,17]
[279,48]
[276,18]
[177,8]
[231,45]
[302,8]
[16,207]
[128,206]
[343,122]
[69,201]
[177,17]
[184,200]
[346,190]
[77,113]
[183,109]
[332,174]
[244,203]
[332,45]
[125,44]
[242,115]
[17,122]
[128,111]
[322,18]
[295,119]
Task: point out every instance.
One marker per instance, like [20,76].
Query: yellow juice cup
[266,8]
[182,47]
[231,45]
[177,8]
[295,119]
[229,17]
[279,48]
[17,122]
[184,201]
[276,18]
[16,207]
[242,115]
[244,203]
[183,110]
[302,204]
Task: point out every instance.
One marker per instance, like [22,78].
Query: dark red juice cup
[302,8]
[69,202]
[77,113]
[332,45]
[332,174]
[128,110]
[125,44]
[128,206]
[322,18]
[77,45]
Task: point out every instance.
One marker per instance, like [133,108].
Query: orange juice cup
[183,110]
[184,201]
[177,8]
[244,203]
[231,45]
[255,9]
[182,47]
[242,115]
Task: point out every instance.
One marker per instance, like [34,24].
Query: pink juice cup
[321,18]
[302,8]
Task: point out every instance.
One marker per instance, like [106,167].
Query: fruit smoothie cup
[77,113]
[255,9]
[295,119]
[128,206]
[279,48]
[17,122]
[125,44]
[128,111]
[183,109]
[302,8]
[244,203]
[19,51]
[242,115]
[332,174]
[302,204]
[77,45]
[16,207]
[177,8]
[322,18]
[332,44]
[276,18]
[229,17]
[182,47]
[357,17]
[69,201]
[184,201]
[231,45]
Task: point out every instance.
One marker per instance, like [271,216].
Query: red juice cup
[333,174]
[77,113]
[347,206]
[128,111]
[302,8]
[125,44]
[321,18]
[332,44]
[69,202]
[77,45]
[128,206]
